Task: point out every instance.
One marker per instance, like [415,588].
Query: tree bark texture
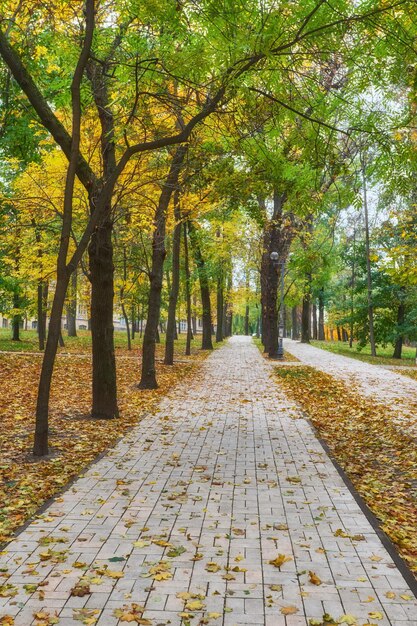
[206,343]
[220,305]
[72,306]
[175,284]
[148,377]
[321,336]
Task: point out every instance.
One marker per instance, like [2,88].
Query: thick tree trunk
[220,306]
[206,343]
[321,316]
[339,336]
[175,286]
[148,377]
[101,267]
[294,322]
[400,322]
[72,307]
[187,292]
[305,319]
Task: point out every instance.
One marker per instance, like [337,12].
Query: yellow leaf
[314,579]
[289,610]
[376,615]
[348,619]
[280,560]
[194,605]
[114,574]
[212,567]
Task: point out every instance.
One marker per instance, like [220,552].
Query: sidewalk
[183,517]
[374,381]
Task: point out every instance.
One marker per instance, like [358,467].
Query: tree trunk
[194,317]
[305,318]
[321,316]
[339,337]
[42,310]
[16,317]
[294,322]
[101,266]
[400,322]
[175,286]
[133,320]
[247,320]
[187,292]
[148,377]
[220,306]
[206,343]
[72,307]
[40,447]
[314,307]
[368,263]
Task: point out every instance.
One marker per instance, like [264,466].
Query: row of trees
[215,132]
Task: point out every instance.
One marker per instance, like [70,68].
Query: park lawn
[384,354]
[287,356]
[379,458]
[82,343]
[25,483]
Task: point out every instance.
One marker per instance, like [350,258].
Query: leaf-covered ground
[25,483]
[379,458]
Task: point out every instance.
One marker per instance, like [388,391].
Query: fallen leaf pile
[379,458]
[75,439]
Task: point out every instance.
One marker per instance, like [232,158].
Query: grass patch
[384,355]
[380,459]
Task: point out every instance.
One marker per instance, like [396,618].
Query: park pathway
[186,513]
[384,385]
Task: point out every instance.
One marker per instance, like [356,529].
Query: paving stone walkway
[186,513]
[375,381]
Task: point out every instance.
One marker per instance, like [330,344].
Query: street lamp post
[274,256]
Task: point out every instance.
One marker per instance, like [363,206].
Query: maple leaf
[212,567]
[174,552]
[132,614]
[80,589]
[289,610]
[194,605]
[280,560]
[348,619]
[314,579]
